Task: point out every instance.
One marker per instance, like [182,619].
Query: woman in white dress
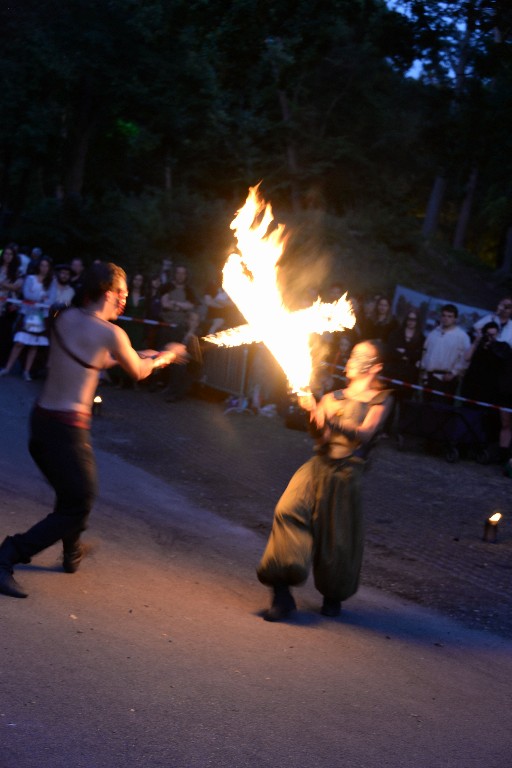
[33,331]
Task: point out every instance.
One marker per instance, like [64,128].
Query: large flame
[250,279]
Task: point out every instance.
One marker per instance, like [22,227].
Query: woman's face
[383,307]
[44,267]
[137,281]
[361,360]
[7,255]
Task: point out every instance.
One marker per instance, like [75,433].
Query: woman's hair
[417,330]
[136,274]
[47,280]
[101,277]
[14,265]
[379,348]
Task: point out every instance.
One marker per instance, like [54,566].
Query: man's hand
[174,353]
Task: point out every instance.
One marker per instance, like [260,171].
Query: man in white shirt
[443,361]
[502,317]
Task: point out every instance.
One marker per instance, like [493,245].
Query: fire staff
[318,520]
[83,343]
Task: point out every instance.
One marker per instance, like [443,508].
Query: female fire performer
[318,519]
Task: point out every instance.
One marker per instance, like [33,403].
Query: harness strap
[68,352]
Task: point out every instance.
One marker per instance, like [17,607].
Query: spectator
[77,280]
[381,321]
[33,333]
[502,318]
[178,312]
[136,308]
[486,357]
[32,265]
[443,361]
[177,302]
[11,281]
[337,378]
[405,347]
[489,379]
[218,311]
[153,308]
[61,291]
[166,277]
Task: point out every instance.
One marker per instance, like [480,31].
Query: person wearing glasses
[502,317]
[405,347]
[84,342]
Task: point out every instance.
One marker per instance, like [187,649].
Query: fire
[495,518]
[250,279]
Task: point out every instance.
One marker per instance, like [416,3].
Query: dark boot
[331,608]
[282,604]
[72,556]
[9,556]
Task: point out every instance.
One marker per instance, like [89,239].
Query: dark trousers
[64,455]
[448,387]
[318,520]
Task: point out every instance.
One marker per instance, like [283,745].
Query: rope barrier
[43,305]
[396,382]
[439,393]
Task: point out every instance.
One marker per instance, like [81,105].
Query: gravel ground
[424,516]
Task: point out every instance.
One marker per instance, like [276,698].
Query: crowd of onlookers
[449,364]
[163,307]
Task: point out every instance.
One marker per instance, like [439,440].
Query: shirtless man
[83,343]
[319,518]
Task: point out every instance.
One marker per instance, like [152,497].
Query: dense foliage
[133,129]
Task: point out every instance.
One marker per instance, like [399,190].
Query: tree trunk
[465,210]
[431,220]
[85,124]
[506,266]
[168,175]
[74,178]
[291,154]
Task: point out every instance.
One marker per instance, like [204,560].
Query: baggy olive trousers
[318,520]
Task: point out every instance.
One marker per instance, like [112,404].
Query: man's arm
[141,367]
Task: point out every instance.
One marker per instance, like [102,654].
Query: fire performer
[319,518]
[83,343]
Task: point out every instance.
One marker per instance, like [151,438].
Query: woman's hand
[307,402]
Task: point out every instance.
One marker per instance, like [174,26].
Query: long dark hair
[14,265]
[47,281]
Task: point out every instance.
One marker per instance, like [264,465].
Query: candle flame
[250,278]
[494,519]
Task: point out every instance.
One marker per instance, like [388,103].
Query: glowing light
[250,278]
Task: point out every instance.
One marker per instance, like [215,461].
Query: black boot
[9,556]
[282,604]
[72,556]
[331,608]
